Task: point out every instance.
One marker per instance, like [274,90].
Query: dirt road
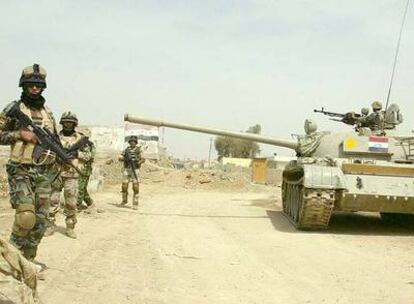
[192,246]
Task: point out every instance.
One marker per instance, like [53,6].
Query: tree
[234,147]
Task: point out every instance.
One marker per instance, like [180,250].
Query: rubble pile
[207,179]
[189,177]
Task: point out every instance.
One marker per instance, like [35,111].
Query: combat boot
[124,198]
[135,202]
[70,232]
[70,226]
[50,230]
[80,207]
[51,227]
[91,209]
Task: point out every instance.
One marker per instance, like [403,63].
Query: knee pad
[135,187]
[25,216]
[124,187]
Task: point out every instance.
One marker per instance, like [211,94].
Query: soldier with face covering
[29,173]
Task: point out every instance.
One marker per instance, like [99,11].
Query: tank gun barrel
[286,143]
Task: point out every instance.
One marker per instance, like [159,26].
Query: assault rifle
[47,140]
[131,164]
[347,118]
[73,150]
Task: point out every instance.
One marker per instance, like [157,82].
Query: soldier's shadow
[121,208]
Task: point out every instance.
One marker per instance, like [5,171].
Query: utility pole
[162,135]
[209,152]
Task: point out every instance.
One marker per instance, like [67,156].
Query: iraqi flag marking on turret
[378,144]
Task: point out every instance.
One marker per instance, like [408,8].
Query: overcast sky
[228,64]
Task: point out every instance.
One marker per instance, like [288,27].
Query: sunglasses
[35,84]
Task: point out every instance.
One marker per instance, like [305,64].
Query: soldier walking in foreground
[75,144]
[132,159]
[29,167]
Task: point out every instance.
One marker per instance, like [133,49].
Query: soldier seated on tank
[373,121]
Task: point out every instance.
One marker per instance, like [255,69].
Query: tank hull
[311,193]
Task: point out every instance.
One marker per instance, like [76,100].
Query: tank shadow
[345,223]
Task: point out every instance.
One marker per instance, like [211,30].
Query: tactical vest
[67,142]
[22,152]
[377,121]
[134,154]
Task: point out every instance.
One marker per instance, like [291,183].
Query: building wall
[113,139]
[105,138]
[242,162]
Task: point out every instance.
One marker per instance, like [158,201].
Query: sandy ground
[194,246]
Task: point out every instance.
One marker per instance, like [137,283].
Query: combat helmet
[376,105]
[364,111]
[133,138]
[69,116]
[310,127]
[33,74]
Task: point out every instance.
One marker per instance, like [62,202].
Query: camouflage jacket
[135,154]
[374,121]
[10,128]
[84,155]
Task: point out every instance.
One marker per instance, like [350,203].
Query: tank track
[307,209]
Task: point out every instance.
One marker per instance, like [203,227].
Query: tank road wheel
[307,208]
[402,219]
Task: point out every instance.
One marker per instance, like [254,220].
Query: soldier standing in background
[29,173]
[132,159]
[68,177]
[86,169]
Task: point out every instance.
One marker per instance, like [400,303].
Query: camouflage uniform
[375,120]
[68,178]
[132,152]
[29,174]
[86,169]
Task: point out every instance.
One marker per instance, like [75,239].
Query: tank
[352,171]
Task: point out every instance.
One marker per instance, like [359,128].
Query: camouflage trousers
[127,177]
[69,185]
[30,188]
[83,195]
